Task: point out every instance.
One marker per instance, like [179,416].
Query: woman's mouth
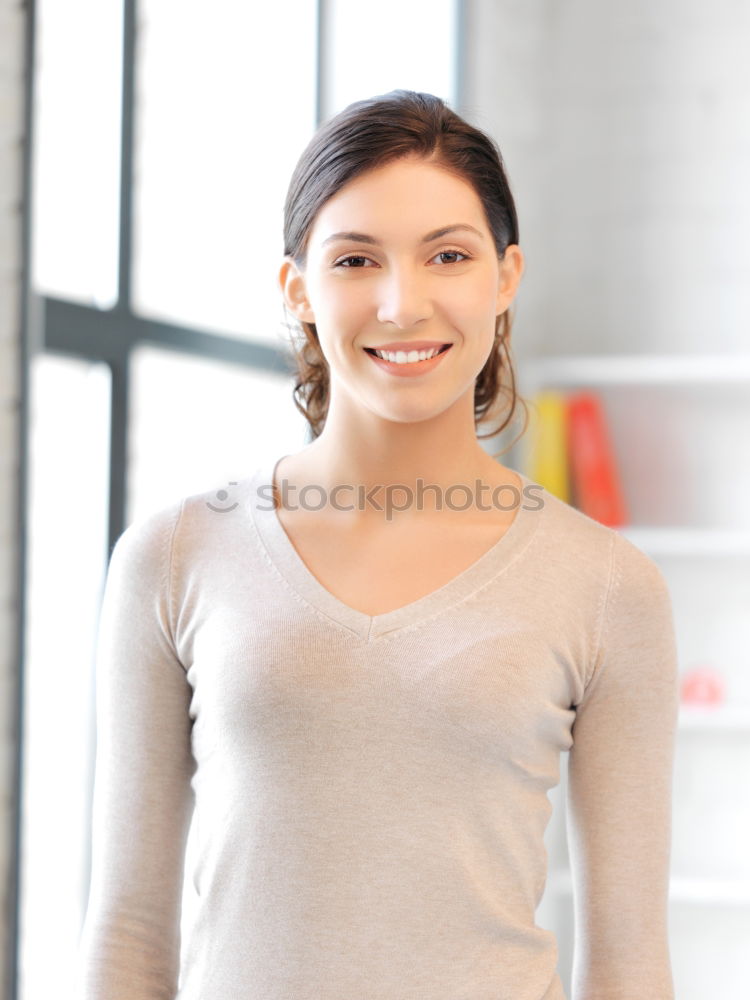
[408,363]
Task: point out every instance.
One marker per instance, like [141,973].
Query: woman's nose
[403,297]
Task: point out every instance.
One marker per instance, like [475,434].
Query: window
[164,136]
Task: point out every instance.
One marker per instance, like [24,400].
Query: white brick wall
[11,123]
[624,128]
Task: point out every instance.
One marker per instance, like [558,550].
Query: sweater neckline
[290,565]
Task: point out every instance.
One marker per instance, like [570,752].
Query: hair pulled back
[368,134]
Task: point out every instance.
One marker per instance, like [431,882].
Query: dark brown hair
[368,134]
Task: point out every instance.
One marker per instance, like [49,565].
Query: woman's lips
[410,369]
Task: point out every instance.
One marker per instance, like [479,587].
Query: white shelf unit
[706,719]
[583,371]
[658,542]
[679,545]
[733,892]
[636,369]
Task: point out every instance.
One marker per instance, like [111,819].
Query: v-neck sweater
[368,794]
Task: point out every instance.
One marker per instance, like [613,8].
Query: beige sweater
[370,793]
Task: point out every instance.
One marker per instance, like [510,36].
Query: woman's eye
[343,261]
[452,253]
[353,261]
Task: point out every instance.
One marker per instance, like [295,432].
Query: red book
[596,485]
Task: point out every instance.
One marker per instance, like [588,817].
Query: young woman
[356,676]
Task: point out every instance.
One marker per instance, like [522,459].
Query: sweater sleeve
[130,942]
[619,798]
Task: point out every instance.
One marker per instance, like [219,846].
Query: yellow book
[548,457]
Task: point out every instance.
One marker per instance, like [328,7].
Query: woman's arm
[129,947]
[619,804]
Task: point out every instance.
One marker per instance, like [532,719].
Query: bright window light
[76,168]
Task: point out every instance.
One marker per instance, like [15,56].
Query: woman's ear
[292,284]
[511,270]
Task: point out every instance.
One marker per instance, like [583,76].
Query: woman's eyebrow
[434,235]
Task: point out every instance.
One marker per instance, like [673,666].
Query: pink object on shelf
[702,686]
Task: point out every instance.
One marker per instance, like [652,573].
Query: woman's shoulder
[194,515]
[582,540]
[220,497]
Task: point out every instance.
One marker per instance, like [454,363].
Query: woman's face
[377,273]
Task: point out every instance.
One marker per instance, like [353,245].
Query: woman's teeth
[404,358]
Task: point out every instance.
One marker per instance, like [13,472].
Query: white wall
[624,127]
